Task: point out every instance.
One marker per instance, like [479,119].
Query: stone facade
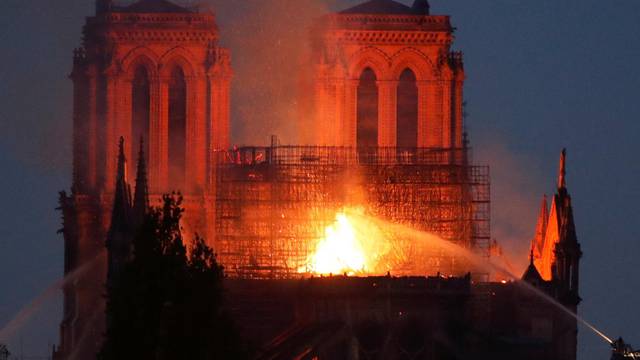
[152,71]
[152,74]
[387,38]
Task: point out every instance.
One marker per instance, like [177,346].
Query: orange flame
[351,246]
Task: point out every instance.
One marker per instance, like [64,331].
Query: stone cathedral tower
[385,76]
[150,70]
[152,87]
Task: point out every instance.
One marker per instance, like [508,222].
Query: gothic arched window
[177,129]
[407,110]
[140,110]
[367,118]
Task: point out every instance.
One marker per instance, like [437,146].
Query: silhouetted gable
[383,7]
[154,6]
[532,276]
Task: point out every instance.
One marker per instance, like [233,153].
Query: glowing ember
[349,247]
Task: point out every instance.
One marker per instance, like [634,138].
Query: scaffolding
[274,203]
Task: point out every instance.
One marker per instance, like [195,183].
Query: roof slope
[154,6]
[386,7]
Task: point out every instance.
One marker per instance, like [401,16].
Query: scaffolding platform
[274,203]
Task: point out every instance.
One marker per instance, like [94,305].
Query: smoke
[517,186]
[269,41]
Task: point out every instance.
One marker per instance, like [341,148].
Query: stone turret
[127,215]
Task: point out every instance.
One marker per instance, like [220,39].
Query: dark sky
[541,75]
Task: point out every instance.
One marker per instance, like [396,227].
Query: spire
[568,230]
[421,7]
[563,170]
[122,194]
[141,197]
[118,242]
[531,274]
[541,227]
[531,255]
[122,162]
[567,250]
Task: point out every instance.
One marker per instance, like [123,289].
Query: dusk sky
[541,75]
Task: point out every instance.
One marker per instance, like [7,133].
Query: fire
[351,245]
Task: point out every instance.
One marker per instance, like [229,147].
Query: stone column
[154,129]
[458,113]
[92,130]
[447,124]
[339,113]
[80,131]
[224,123]
[351,113]
[199,134]
[219,85]
[331,129]
[161,134]
[423,113]
[387,113]
[320,136]
[433,100]
[212,140]
[214,111]
[111,130]
[191,137]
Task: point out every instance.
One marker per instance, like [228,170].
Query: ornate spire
[141,197]
[122,194]
[118,240]
[567,248]
[531,255]
[531,274]
[122,162]
[563,170]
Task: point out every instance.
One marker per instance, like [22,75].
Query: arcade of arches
[373,87]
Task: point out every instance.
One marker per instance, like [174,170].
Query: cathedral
[152,88]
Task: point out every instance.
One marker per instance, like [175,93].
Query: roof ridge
[154,6]
[390,7]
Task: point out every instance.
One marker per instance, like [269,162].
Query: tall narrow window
[177,129]
[140,105]
[407,124]
[367,123]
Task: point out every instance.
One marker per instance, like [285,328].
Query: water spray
[27,312]
[453,248]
